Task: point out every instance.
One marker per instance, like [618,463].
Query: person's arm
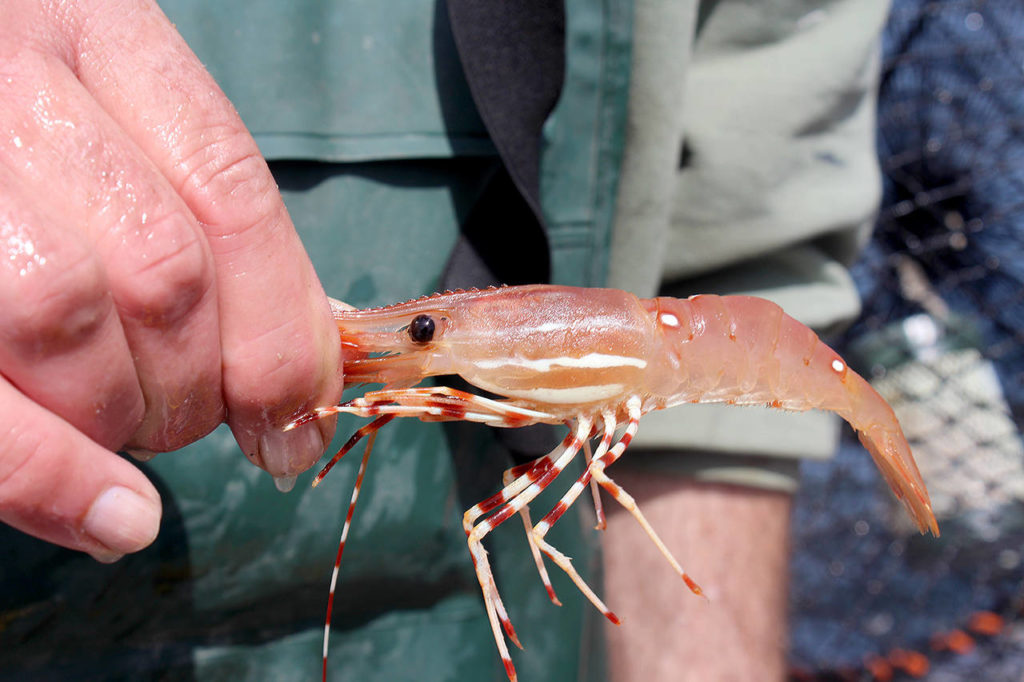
[732,540]
[151,285]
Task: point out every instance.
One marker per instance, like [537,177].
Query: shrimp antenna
[370,432]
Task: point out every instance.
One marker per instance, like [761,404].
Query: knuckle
[227,172]
[50,309]
[167,278]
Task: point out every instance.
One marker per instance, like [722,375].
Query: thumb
[60,486]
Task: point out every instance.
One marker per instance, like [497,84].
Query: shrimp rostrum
[595,360]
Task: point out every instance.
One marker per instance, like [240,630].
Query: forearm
[734,542]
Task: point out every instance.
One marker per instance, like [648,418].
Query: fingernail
[123,521]
[285,483]
[140,454]
[106,557]
[288,454]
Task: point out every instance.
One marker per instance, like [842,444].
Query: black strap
[513,55]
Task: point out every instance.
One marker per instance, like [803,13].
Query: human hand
[151,283]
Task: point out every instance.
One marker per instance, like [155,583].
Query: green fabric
[583,141]
[338,80]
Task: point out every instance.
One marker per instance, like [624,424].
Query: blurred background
[941,338]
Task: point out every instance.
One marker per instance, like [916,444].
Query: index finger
[279,346]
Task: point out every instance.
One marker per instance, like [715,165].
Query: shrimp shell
[595,360]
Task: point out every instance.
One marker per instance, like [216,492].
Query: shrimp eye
[421,329]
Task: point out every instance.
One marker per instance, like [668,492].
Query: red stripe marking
[453,411]
[372,427]
[517,420]
[542,465]
[495,500]
[552,516]
[543,481]
[551,594]
[506,625]
[538,472]
[521,469]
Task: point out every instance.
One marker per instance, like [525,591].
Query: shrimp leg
[626,500]
[537,533]
[595,472]
[507,478]
[511,474]
[437,403]
[520,493]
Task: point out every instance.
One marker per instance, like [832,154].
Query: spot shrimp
[595,360]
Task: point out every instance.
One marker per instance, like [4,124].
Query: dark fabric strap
[513,55]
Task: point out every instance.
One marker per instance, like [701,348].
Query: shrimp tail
[883,438]
[746,351]
[914,498]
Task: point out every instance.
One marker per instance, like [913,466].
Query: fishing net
[942,338]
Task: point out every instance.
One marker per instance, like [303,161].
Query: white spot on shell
[838,365]
[669,320]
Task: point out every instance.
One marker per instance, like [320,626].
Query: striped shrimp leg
[536,534]
[507,478]
[525,475]
[626,500]
[437,403]
[603,458]
[515,472]
[428,404]
[529,485]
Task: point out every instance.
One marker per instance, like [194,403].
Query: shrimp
[595,360]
